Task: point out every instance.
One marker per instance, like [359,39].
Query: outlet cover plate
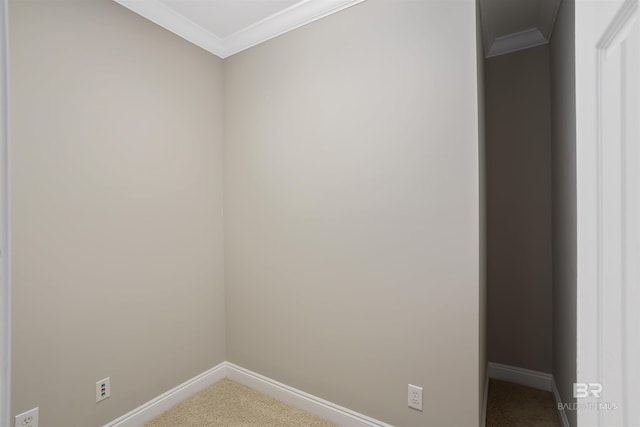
[27,419]
[415,397]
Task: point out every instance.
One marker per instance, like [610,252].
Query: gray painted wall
[563,133]
[352,210]
[353,190]
[518,168]
[116,180]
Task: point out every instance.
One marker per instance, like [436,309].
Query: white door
[608,177]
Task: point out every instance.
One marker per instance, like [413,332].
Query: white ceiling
[225,17]
[225,27]
[510,25]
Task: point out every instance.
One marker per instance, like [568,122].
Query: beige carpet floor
[513,405]
[229,404]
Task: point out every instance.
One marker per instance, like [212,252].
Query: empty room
[319,213]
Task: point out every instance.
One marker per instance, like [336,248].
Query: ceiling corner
[169,19]
[509,26]
[290,18]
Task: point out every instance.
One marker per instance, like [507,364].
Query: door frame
[600,28]
[5,275]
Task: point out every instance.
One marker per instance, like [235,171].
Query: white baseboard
[534,379]
[156,407]
[563,414]
[522,376]
[299,399]
[294,397]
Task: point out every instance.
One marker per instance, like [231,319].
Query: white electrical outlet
[415,397]
[103,389]
[27,419]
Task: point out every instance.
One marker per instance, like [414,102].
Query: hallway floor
[514,405]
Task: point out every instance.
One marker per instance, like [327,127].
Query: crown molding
[161,14]
[277,24]
[516,41]
[495,21]
[288,19]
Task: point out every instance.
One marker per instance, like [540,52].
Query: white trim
[517,41]
[329,411]
[5,266]
[538,34]
[528,378]
[295,16]
[587,186]
[563,414]
[485,401]
[289,395]
[156,407]
[606,206]
[522,376]
[289,19]
[161,14]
